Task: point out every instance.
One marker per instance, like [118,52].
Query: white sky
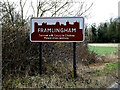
[102,10]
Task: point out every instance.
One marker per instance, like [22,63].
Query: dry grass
[85,79]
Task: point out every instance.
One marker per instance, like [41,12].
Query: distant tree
[94,33]
[102,33]
[118,30]
[112,30]
[106,32]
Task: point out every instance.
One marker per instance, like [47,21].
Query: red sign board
[57,29]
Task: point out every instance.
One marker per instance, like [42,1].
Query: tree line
[107,32]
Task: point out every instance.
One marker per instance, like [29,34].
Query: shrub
[21,57]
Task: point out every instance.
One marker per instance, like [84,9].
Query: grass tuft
[110,67]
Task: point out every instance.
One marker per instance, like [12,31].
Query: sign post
[74,59]
[40,57]
[57,29]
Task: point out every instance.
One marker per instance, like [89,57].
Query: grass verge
[110,67]
[57,80]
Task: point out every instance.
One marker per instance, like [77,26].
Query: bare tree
[6,11]
[44,8]
[61,8]
[21,8]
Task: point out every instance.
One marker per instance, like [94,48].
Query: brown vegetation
[21,57]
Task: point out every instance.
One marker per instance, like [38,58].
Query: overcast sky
[102,10]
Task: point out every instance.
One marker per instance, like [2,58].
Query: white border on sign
[53,20]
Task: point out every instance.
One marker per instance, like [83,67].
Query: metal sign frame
[62,21]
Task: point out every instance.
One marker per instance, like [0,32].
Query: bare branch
[86,10]
[9,11]
[59,9]
[65,9]
[45,9]
[24,3]
[33,8]
[22,13]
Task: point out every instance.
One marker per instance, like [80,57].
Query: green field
[103,50]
